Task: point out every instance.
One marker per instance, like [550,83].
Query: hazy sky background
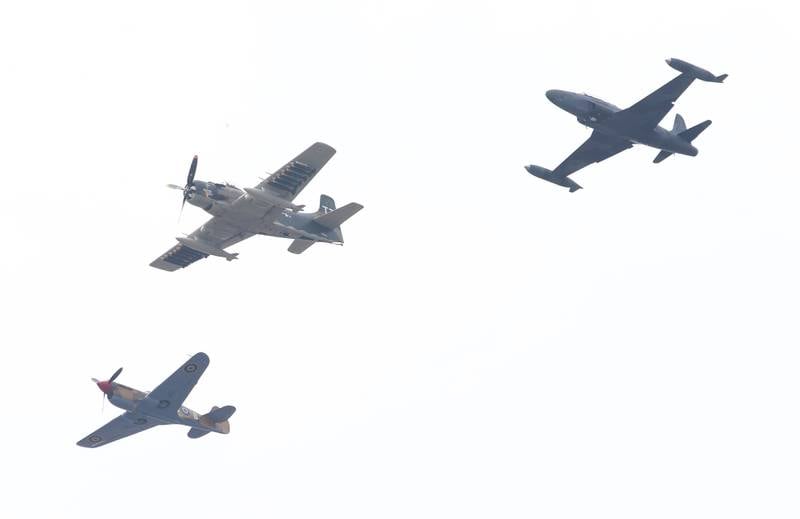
[485,344]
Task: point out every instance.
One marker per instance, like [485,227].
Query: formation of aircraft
[163,405]
[616,130]
[266,209]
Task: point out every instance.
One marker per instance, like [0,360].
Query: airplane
[616,130]
[163,405]
[265,209]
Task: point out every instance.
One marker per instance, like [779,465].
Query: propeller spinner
[105,385]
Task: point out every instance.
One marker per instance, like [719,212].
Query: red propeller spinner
[106,385]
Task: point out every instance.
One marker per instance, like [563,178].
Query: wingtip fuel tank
[548,175]
[684,67]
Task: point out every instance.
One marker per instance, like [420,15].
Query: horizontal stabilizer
[197,433]
[661,156]
[692,133]
[720,79]
[334,219]
[299,245]
[220,414]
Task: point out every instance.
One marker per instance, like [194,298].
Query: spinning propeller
[105,385]
[189,187]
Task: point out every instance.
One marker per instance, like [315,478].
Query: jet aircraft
[163,405]
[265,209]
[616,130]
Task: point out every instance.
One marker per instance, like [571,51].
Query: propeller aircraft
[266,209]
[163,405]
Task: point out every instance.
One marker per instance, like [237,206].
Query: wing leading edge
[647,113]
[168,396]
[122,426]
[293,177]
[216,232]
[598,147]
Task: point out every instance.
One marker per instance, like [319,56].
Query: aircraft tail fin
[720,79]
[216,420]
[679,125]
[326,204]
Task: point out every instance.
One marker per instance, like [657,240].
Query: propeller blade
[181,213]
[192,170]
[115,375]
[173,186]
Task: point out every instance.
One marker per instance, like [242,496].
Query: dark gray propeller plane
[616,130]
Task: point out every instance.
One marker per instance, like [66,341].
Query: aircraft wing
[216,232]
[126,424]
[647,113]
[598,147]
[170,394]
[288,181]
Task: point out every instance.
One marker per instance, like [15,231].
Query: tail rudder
[679,125]
[326,205]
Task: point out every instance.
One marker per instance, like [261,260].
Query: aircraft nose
[104,385]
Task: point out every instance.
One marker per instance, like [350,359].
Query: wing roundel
[168,396]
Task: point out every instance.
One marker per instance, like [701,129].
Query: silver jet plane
[616,130]
[266,209]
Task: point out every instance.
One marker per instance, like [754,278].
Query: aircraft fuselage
[255,216]
[592,112]
[130,399]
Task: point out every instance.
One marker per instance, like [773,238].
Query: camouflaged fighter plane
[163,405]
[617,130]
[265,209]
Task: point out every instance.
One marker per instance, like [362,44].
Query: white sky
[485,344]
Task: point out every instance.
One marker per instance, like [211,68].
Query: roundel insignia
[163,404]
[190,368]
[95,439]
